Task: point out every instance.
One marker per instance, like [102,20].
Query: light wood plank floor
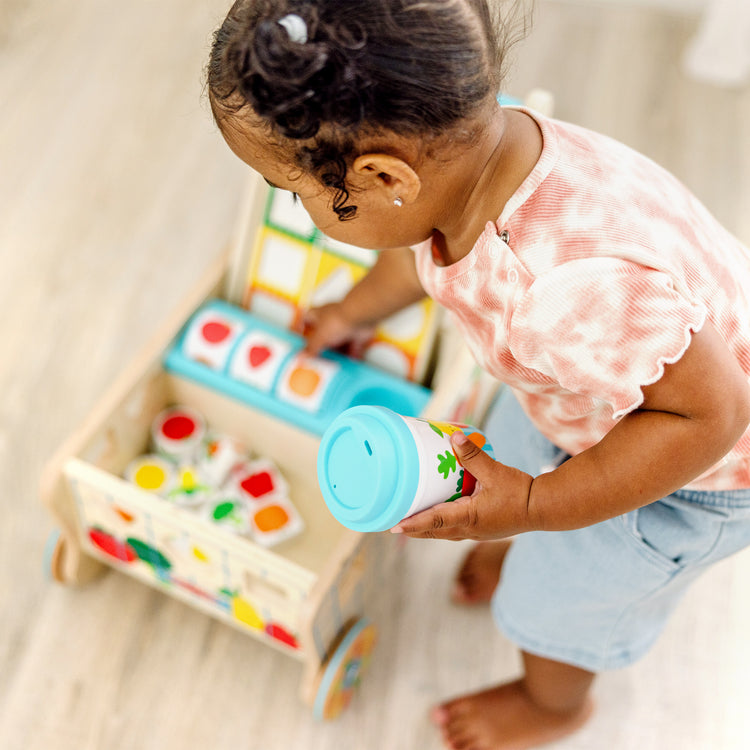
[115,193]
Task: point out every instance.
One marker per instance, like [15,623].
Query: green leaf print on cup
[436,429]
[447,463]
[459,488]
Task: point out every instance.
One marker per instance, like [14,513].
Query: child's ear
[389,174]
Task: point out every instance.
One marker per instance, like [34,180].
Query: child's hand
[327,327]
[498,507]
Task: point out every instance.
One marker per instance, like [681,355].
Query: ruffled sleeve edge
[689,329]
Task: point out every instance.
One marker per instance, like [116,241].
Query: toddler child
[582,276]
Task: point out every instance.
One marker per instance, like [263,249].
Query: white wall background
[678,6]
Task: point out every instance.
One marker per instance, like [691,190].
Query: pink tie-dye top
[593,278]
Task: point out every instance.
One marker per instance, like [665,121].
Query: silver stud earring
[398,202]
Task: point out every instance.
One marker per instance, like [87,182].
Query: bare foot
[480,572]
[504,718]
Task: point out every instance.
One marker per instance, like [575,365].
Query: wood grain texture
[116,193]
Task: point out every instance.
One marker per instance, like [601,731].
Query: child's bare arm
[689,420]
[391,284]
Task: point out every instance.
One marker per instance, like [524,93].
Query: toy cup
[151,473]
[229,512]
[190,489]
[218,457]
[376,467]
[178,432]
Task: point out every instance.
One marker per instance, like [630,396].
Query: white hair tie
[295,27]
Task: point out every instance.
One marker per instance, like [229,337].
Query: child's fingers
[307,322]
[456,520]
[359,342]
[476,461]
[312,346]
[324,328]
[315,339]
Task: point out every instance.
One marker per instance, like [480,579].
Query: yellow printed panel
[281,276]
[402,343]
[333,280]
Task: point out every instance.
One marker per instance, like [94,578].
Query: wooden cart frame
[310,598]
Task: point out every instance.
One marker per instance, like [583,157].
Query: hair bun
[298,85]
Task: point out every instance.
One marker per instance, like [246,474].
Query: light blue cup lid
[368,468]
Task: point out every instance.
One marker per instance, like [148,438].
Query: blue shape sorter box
[242,356]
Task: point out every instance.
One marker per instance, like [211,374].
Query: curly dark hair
[412,67]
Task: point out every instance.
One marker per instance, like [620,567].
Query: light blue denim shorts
[599,597]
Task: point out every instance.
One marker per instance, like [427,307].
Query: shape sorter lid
[282,265]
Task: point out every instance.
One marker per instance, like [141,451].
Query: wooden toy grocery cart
[311,596]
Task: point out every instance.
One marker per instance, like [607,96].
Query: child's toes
[439,715]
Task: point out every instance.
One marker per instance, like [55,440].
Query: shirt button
[512,275]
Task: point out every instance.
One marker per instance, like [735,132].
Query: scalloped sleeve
[603,328]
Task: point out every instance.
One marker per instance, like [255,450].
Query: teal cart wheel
[342,673]
[54,549]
